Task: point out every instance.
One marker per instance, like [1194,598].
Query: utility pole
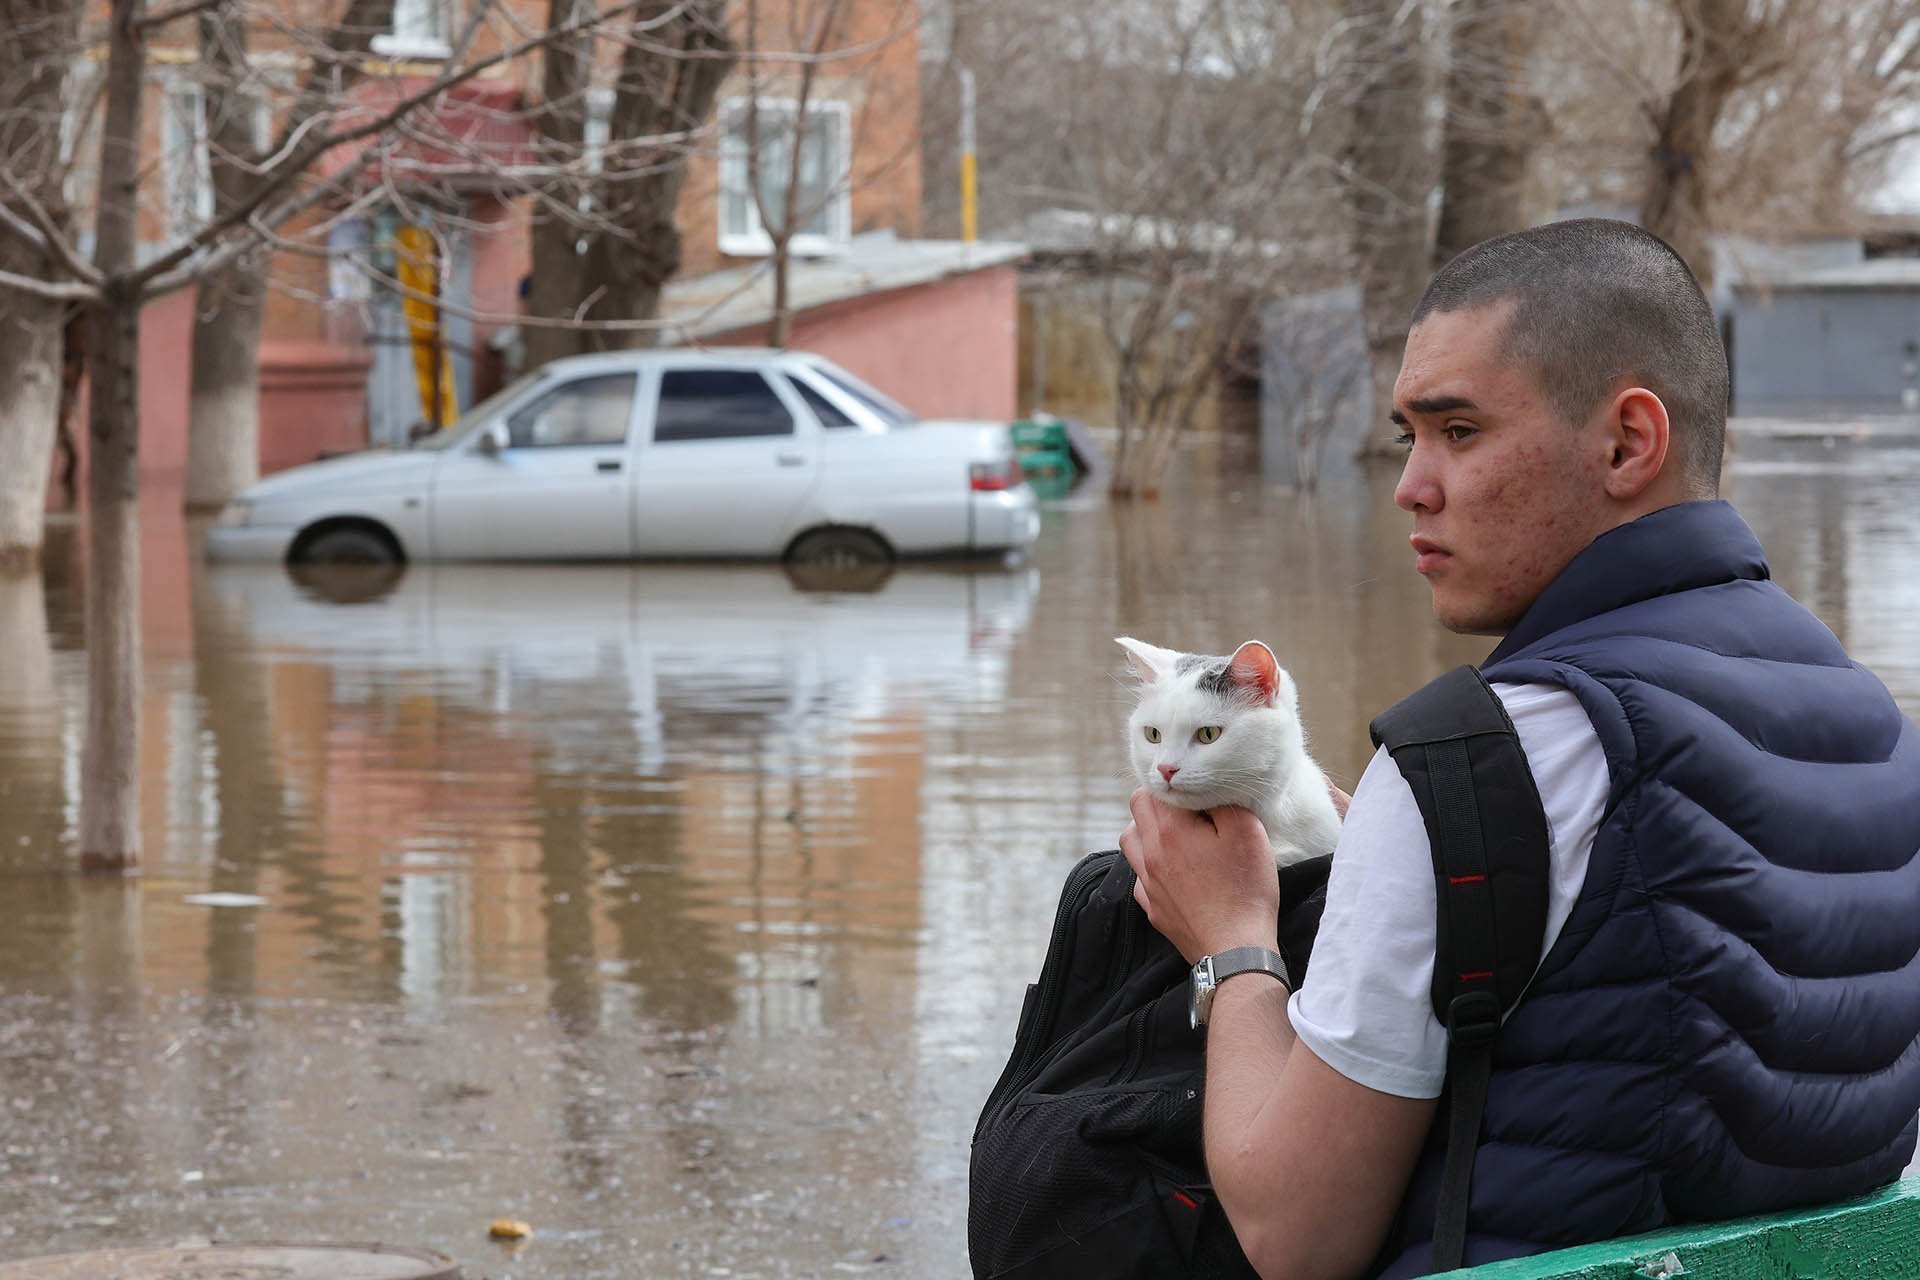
[969,174]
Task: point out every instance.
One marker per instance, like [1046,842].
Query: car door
[728,468]
[557,490]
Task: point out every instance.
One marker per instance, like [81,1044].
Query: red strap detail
[1476,977]
[1186,1199]
[1465,879]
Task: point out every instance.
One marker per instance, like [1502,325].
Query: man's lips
[1428,555]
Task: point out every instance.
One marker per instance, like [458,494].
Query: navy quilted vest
[1730,1021]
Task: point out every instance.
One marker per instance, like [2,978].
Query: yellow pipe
[969,190]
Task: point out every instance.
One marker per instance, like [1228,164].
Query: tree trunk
[780,331]
[109,776]
[223,441]
[33,67]
[1492,125]
[668,80]
[1713,39]
[1390,171]
[223,415]
[29,411]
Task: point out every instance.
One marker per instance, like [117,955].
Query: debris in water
[508,1229]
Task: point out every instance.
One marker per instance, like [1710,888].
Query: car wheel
[349,544]
[840,549]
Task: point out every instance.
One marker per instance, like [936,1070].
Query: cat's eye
[1207,733]
[1153,734]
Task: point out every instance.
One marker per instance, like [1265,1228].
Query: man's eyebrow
[1432,405]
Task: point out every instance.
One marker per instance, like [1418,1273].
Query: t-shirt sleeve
[1366,1007]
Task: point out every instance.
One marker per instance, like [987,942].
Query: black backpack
[1087,1157]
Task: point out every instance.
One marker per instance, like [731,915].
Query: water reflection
[682,912]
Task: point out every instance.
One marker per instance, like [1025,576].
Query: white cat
[1212,731]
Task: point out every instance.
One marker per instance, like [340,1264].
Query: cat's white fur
[1259,761]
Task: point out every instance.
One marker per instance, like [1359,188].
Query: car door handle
[791,459]
[607,464]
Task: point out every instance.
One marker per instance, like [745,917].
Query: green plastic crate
[1043,447]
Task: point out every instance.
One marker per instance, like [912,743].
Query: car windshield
[889,411]
[487,409]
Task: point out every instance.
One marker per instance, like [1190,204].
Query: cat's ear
[1148,662]
[1254,669]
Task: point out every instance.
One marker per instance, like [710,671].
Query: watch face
[1200,993]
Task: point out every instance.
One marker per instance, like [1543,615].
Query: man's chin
[1471,618]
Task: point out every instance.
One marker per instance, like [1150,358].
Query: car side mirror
[493,439]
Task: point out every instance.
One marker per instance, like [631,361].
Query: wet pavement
[682,913]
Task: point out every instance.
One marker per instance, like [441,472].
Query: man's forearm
[1248,1042]
[1308,1165]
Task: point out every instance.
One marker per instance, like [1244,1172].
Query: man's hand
[1206,881]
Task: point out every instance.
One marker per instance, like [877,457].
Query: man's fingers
[1130,846]
[1140,896]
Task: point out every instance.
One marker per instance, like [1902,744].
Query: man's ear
[1640,438]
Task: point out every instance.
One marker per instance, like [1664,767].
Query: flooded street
[683,913]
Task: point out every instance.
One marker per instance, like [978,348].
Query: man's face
[1503,493]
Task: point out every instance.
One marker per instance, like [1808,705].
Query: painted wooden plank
[1875,1237]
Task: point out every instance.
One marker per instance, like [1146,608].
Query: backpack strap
[1456,746]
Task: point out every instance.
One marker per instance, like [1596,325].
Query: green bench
[1875,1237]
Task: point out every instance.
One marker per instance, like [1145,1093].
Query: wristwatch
[1211,971]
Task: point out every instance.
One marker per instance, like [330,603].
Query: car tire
[348,544]
[840,548]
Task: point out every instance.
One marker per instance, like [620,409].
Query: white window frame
[734,156]
[186,149]
[421,31]
[186,157]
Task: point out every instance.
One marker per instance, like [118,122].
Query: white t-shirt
[1366,1007]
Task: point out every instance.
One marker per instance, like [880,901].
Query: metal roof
[742,297]
[1873,273]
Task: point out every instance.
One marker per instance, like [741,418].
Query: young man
[1726,1018]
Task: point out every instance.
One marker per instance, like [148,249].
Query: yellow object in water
[508,1229]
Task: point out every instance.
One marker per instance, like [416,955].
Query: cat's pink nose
[1168,770]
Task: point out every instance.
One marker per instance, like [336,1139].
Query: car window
[889,411]
[829,413]
[585,411]
[718,404]
[456,431]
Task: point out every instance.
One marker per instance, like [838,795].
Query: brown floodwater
[682,913]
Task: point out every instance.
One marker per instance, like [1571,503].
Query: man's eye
[1404,439]
[1458,431]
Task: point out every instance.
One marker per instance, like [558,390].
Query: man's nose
[1418,489]
[1168,770]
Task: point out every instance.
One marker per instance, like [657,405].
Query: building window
[186,161]
[421,29]
[756,153]
[186,148]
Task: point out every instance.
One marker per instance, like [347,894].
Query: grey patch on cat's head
[1213,675]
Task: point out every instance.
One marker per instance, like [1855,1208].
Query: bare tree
[1493,124]
[612,258]
[33,220]
[814,74]
[1176,166]
[1390,170]
[223,440]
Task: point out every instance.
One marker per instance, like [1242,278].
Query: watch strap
[1238,960]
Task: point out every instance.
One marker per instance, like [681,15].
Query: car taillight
[987,477]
